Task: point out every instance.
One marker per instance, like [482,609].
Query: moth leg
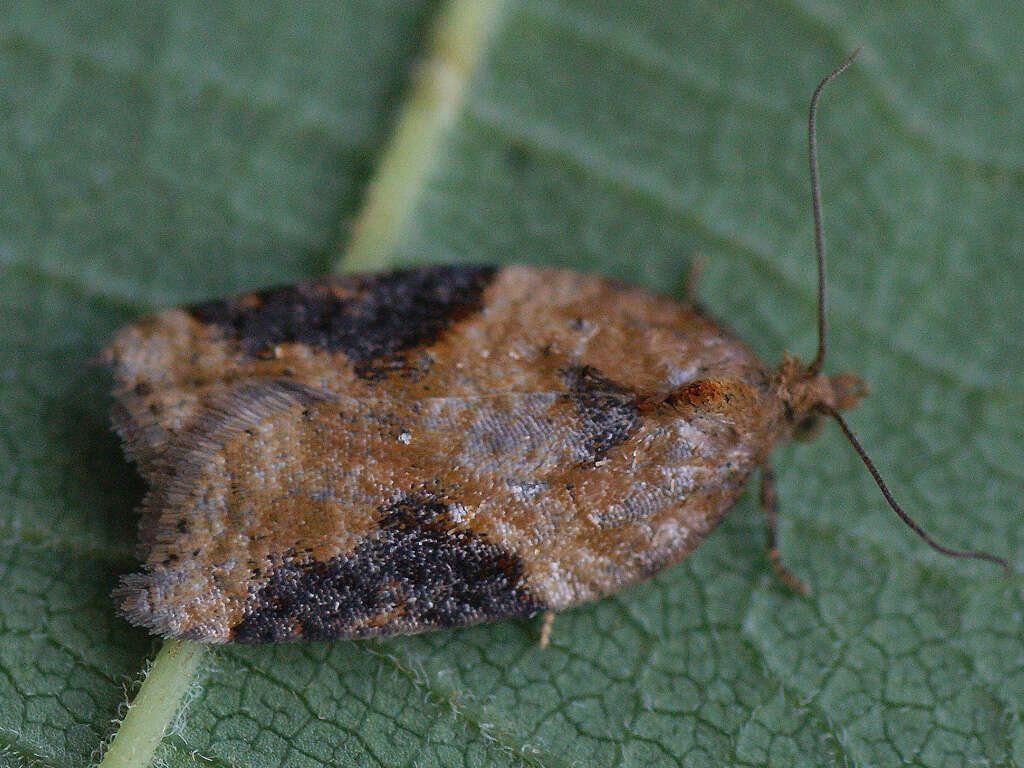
[545,629]
[693,272]
[769,504]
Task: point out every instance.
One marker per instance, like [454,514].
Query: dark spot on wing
[371,318]
[607,411]
[419,571]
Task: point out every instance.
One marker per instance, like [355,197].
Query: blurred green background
[154,153]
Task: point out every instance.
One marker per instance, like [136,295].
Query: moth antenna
[907,519]
[819,229]
[815,366]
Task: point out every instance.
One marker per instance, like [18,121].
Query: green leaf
[158,153]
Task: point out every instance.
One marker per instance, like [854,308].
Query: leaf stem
[441,81]
[151,713]
[456,45]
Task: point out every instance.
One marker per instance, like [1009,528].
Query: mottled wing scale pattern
[382,454]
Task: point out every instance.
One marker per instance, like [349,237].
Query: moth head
[808,395]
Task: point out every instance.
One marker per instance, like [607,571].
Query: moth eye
[808,427]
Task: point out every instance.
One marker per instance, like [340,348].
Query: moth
[391,453]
